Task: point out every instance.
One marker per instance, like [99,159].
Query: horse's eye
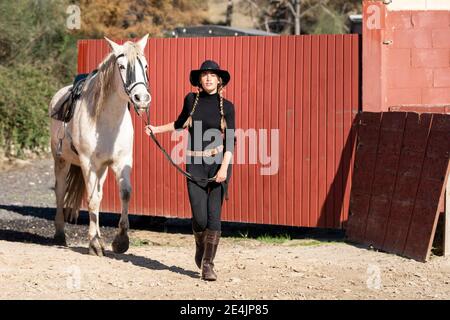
[121,67]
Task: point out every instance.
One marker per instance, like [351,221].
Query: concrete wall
[406,53]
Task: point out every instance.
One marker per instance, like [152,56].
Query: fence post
[447,219]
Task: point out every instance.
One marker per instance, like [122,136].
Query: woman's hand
[221,175]
[151,128]
[160,129]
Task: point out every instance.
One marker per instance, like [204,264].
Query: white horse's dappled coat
[101,132]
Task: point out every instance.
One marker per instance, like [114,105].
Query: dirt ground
[160,264]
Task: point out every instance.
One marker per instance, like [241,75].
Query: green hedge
[37,56]
[25,93]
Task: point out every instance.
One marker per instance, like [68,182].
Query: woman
[210,120]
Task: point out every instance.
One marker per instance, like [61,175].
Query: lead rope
[185,173]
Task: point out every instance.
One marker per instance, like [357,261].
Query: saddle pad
[66,109]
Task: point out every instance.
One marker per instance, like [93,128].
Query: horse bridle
[128,85]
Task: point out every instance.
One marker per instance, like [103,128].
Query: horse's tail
[74,193]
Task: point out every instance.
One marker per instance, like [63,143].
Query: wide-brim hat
[209,65]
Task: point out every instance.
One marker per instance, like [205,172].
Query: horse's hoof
[60,239]
[96,247]
[121,243]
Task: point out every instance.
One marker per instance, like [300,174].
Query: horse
[99,136]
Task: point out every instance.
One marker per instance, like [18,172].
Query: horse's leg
[61,169]
[121,241]
[94,188]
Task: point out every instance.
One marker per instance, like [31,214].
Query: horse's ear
[143,42]
[114,46]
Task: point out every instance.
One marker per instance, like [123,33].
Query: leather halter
[128,86]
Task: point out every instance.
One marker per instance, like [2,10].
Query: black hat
[209,65]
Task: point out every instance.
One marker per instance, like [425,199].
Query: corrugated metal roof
[217,31]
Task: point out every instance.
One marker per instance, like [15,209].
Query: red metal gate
[307,87]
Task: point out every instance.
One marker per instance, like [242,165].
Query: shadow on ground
[175,225]
[139,261]
[27,237]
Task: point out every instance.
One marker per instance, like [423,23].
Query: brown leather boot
[199,247]
[211,242]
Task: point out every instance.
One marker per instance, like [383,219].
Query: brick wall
[418,59]
[412,48]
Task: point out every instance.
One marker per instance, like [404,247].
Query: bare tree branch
[291,7]
[309,9]
[333,15]
[258,7]
[295,10]
[266,23]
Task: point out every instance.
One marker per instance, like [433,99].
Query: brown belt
[205,153]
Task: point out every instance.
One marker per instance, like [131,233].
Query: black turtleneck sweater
[207,113]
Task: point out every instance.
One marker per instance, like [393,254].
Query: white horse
[99,136]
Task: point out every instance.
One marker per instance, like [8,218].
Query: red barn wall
[306,87]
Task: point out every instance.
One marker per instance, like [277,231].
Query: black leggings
[206,199]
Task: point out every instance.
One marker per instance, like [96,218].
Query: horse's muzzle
[145,109]
[142,108]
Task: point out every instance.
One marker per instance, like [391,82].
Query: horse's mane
[102,84]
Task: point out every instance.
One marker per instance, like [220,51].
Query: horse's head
[132,68]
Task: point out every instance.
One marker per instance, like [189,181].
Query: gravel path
[159,263]
[27,206]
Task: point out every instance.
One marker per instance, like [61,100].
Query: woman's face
[209,81]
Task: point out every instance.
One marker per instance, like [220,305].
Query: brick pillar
[406,53]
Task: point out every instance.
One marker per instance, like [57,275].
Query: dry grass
[217,10]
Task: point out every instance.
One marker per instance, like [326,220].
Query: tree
[301,16]
[38,55]
[34,33]
[124,19]
[229,12]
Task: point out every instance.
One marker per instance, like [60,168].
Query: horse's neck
[114,105]
[114,110]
